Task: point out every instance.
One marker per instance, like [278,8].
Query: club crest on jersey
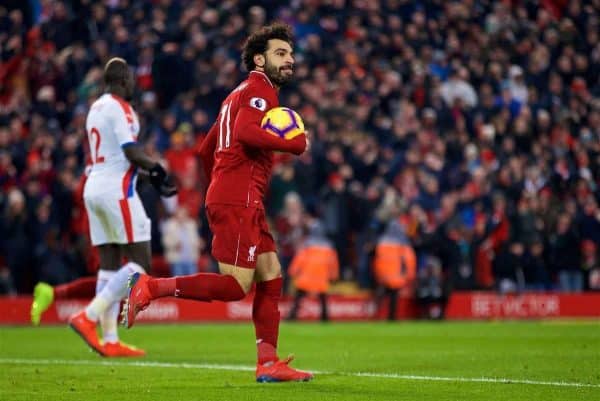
[258,103]
[251,252]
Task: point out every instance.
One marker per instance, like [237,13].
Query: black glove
[161,181]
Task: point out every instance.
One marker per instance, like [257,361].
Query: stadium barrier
[467,305]
[482,305]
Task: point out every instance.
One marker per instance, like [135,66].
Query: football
[283,122]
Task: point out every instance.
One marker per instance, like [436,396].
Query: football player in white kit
[119,226]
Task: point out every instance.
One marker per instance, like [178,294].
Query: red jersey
[237,153]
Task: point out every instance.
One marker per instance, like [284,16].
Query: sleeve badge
[258,103]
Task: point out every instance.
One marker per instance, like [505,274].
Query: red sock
[202,286]
[265,315]
[81,288]
[162,287]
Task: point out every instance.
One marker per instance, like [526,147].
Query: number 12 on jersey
[94,135]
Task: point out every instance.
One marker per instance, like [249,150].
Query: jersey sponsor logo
[258,103]
[251,252]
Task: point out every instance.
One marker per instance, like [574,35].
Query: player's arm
[136,156]
[247,127]
[159,178]
[122,116]
[126,134]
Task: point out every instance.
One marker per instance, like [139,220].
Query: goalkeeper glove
[161,181]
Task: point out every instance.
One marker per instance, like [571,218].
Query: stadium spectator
[535,271]
[590,264]
[508,268]
[289,225]
[15,227]
[565,255]
[431,289]
[313,268]
[457,91]
[395,264]
[335,212]
[181,243]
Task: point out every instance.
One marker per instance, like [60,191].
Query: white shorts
[117,221]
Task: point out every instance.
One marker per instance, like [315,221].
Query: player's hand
[168,187]
[161,181]
[307,137]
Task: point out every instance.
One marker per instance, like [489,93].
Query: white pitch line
[498,380]
[242,368]
[143,364]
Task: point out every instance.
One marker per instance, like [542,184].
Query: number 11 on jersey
[225,125]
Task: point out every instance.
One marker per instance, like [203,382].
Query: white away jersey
[111,124]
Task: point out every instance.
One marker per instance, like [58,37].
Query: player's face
[279,62]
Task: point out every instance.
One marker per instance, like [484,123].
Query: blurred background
[456,145]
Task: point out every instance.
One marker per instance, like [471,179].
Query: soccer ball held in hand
[283,122]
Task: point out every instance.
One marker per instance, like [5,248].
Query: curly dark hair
[257,42]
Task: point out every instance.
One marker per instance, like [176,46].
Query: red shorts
[240,234]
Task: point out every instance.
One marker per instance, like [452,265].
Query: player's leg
[85,322]
[107,229]
[266,317]
[232,284]
[130,229]
[138,255]
[232,246]
[110,264]
[265,308]
[269,284]
[109,331]
[82,288]
[104,308]
[44,294]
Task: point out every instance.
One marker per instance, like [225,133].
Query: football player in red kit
[238,154]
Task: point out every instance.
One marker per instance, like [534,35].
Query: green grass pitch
[357,361]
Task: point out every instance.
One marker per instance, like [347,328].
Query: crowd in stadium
[473,124]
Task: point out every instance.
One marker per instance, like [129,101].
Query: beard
[278,75]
